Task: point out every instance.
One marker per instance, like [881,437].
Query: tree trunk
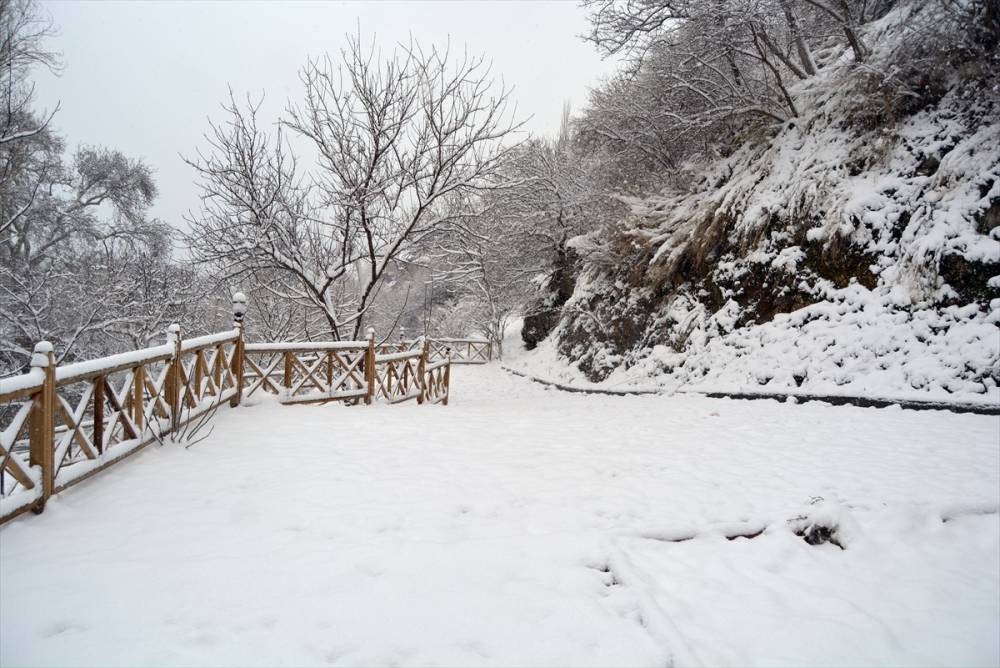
[805,55]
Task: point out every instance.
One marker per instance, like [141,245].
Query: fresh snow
[854,344]
[25,381]
[522,525]
[209,339]
[79,370]
[305,345]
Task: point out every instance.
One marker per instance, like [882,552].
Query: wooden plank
[421,370]
[369,369]
[122,415]
[195,382]
[158,405]
[188,394]
[400,398]
[41,433]
[320,398]
[237,365]
[13,430]
[98,433]
[13,466]
[308,375]
[218,360]
[447,383]
[288,371]
[263,378]
[107,371]
[138,399]
[350,370]
[208,375]
[74,422]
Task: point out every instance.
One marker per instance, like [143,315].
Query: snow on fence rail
[60,425]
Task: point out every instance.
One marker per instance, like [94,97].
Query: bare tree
[849,14]
[395,137]
[82,264]
[496,261]
[259,219]
[488,277]
[23,32]
[702,74]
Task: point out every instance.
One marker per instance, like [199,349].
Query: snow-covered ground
[853,344]
[521,525]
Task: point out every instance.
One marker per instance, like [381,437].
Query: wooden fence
[459,351]
[324,371]
[61,424]
[309,372]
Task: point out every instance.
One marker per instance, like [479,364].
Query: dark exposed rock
[839,261]
[538,325]
[969,278]
[545,311]
[989,218]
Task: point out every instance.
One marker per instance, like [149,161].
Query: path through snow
[522,525]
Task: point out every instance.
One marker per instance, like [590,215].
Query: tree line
[401,191]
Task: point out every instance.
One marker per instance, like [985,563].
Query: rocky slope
[853,250]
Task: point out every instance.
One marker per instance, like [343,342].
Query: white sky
[143,77]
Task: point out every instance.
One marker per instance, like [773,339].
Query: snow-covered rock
[852,250]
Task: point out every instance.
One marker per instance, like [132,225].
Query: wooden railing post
[98,434]
[329,371]
[287,380]
[196,382]
[42,428]
[447,376]
[421,370]
[239,310]
[138,397]
[370,366]
[173,388]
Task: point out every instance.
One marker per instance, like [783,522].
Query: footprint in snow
[62,626]
[204,640]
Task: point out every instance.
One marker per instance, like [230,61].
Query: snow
[283,346]
[523,526]
[431,366]
[34,378]
[89,368]
[209,340]
[395,357]
[854,343]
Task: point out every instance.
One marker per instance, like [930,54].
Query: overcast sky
[143,77]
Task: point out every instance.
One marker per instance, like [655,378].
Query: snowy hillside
[854,249]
